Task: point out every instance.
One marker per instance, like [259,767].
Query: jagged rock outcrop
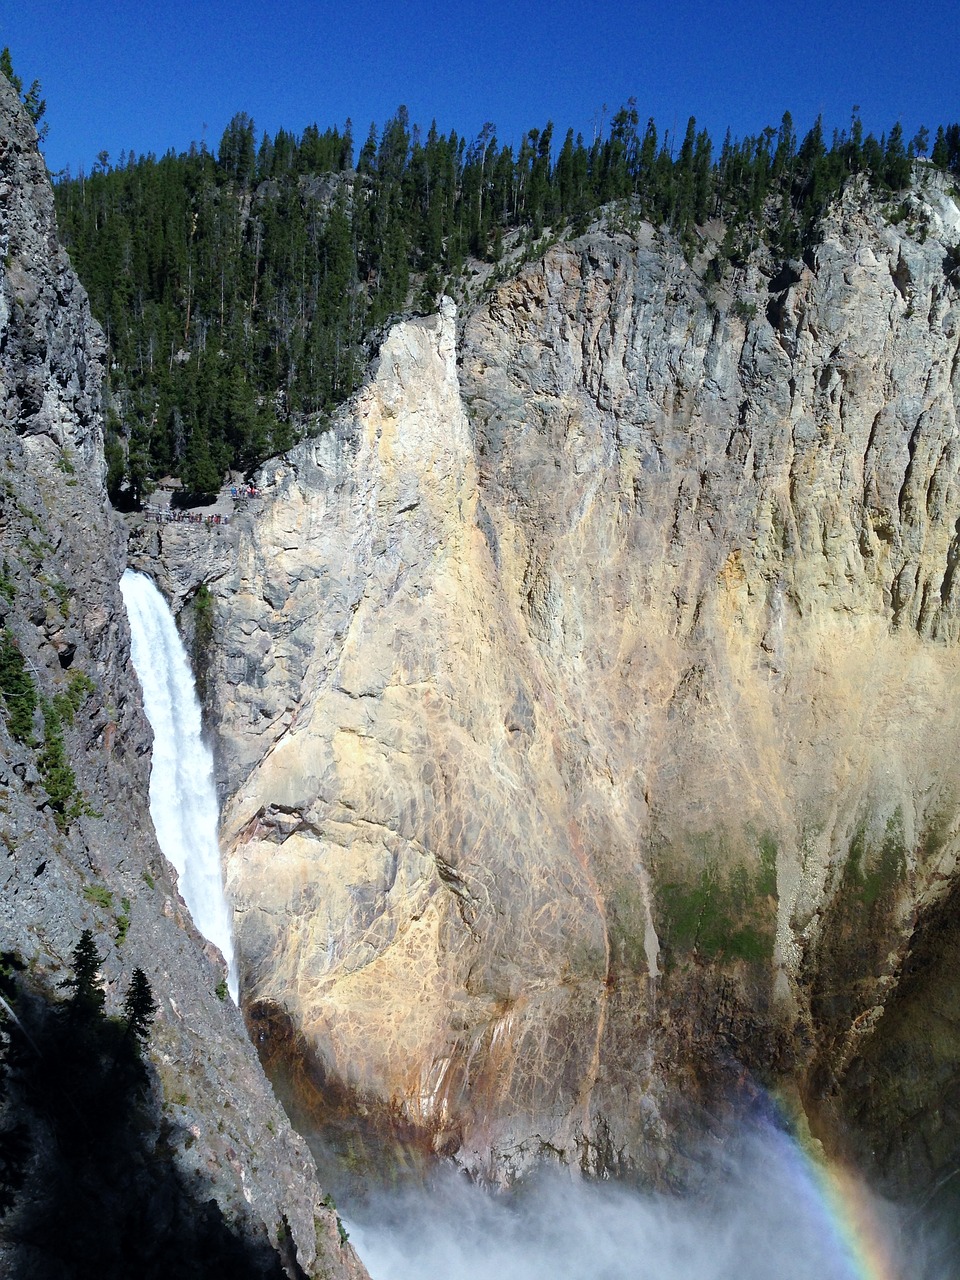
[588,698]
[77,848]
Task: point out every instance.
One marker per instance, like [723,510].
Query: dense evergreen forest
[242,292]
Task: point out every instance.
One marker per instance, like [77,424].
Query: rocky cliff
[588,702]
[77,849]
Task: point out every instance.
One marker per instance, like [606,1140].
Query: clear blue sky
[119,75]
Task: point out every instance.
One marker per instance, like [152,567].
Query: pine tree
[18,690]
[56,773]
[940,155]
[139,1006]
[87,999]
[897,162]
[33,103]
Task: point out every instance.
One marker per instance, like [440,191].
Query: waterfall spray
[183,800]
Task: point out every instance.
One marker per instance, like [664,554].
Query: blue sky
[151,76]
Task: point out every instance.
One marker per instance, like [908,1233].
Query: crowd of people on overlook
[168,514]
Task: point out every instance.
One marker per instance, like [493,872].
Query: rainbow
[839,1199]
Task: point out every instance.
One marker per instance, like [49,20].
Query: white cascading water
[183,799]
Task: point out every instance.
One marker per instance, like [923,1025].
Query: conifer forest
[243,291]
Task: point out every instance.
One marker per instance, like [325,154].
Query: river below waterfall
[183,798]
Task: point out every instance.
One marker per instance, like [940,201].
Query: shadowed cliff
[77,849]
[84,1145]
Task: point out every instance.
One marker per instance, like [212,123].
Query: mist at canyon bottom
[760,1213]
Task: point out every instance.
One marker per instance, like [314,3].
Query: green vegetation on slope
[875,867]
[19,701]
[721,914]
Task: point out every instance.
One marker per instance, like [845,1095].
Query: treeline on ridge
[241,292]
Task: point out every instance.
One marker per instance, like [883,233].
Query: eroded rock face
[87,858]
[589,706]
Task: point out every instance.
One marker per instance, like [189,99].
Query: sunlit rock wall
[588,698]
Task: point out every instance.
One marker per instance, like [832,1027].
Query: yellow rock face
[594,683]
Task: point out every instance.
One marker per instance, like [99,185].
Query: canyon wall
[588,706]
[77,849]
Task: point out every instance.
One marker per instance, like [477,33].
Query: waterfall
[183,799]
